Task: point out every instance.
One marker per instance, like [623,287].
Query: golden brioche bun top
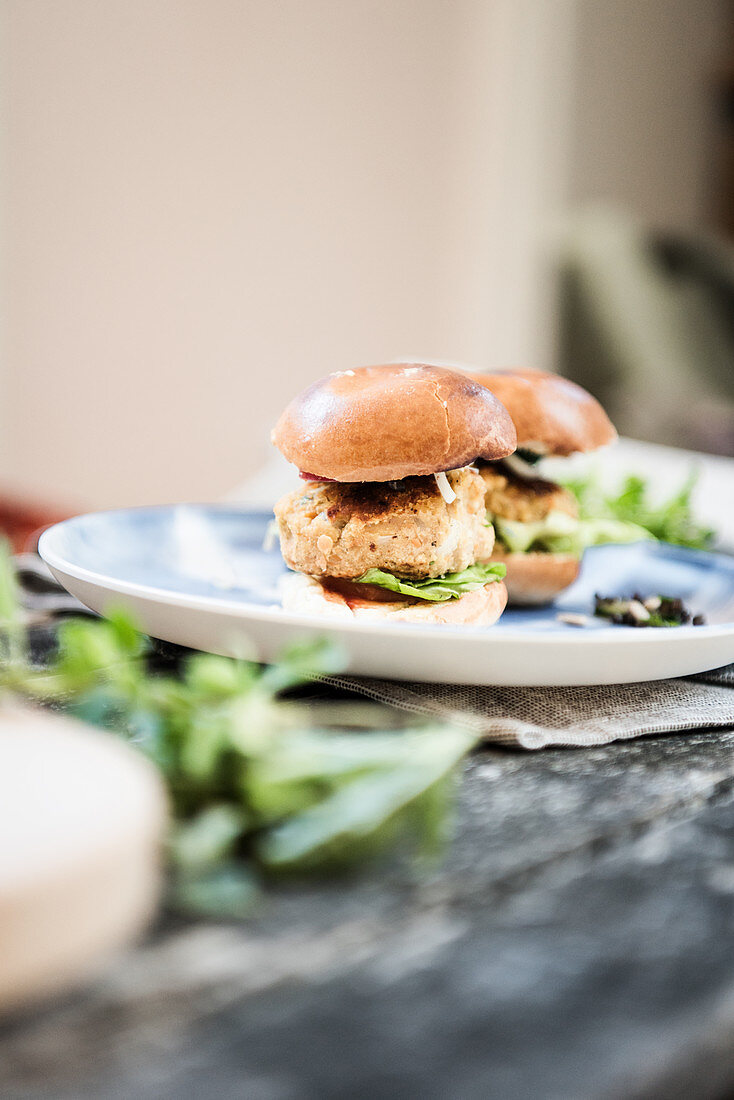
[388,422]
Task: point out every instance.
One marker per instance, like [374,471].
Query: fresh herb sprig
[671,521]
[258,784]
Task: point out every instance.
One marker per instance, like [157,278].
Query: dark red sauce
[313,477]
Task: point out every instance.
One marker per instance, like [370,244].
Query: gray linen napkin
[534,718]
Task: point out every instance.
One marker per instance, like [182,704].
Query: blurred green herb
[672,521]
[255,785]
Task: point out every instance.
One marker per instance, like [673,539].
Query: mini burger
[540,537]
[390,521]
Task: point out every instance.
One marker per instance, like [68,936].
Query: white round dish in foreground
[81,823]
[198,575]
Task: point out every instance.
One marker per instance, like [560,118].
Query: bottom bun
[307,596]
[536,578]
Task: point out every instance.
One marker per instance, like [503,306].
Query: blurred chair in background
[646,322]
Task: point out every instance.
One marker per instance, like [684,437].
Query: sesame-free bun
[389,422]
[552,415]
[307,596]
[534,579]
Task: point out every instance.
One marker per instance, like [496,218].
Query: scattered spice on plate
[645,611]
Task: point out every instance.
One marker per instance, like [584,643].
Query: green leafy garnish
[256,783]
[672,521]
[625,516]
[438,589]
[559,533]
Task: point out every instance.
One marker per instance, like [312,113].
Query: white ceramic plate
[197,575]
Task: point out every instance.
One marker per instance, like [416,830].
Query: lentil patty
[520,499]
[332,529]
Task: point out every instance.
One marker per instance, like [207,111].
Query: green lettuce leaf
[672,520]
[438,589]
[560,533]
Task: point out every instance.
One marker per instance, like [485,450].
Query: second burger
[540,537]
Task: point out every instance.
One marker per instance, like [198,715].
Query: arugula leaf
[208,837]
[672,521]
[438,589]
[559,533]
[394,779]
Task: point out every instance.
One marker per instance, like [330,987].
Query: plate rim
[272,613]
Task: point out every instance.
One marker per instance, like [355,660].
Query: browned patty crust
[330,529]
[524,501]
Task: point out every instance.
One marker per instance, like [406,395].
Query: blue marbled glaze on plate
[216,553]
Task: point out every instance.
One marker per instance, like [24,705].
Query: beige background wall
[208,203]
[645,105]
[211,203]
